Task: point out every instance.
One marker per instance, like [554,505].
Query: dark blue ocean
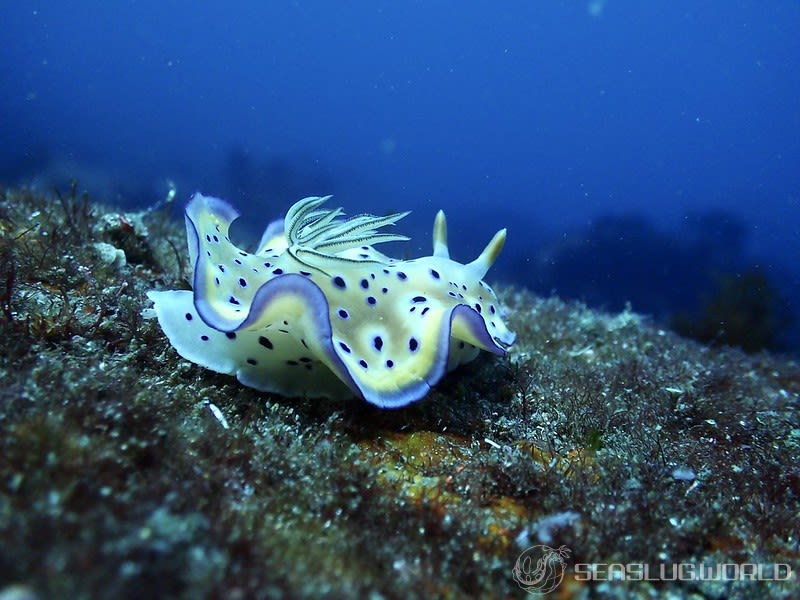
[642,152]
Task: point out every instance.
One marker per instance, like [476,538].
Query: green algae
[600,432]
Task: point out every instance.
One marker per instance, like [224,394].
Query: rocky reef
[128,472]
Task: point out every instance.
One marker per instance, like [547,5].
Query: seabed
[128,472]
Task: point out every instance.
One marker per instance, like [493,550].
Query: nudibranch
[316,311]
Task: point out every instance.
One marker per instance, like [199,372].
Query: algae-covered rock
[126,471]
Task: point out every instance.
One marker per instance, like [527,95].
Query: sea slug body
[316,311]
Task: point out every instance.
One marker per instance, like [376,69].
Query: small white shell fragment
[683,475]
[218,415]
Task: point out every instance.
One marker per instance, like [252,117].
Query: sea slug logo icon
[540,569]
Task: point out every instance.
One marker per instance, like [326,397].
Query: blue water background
[634,149]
